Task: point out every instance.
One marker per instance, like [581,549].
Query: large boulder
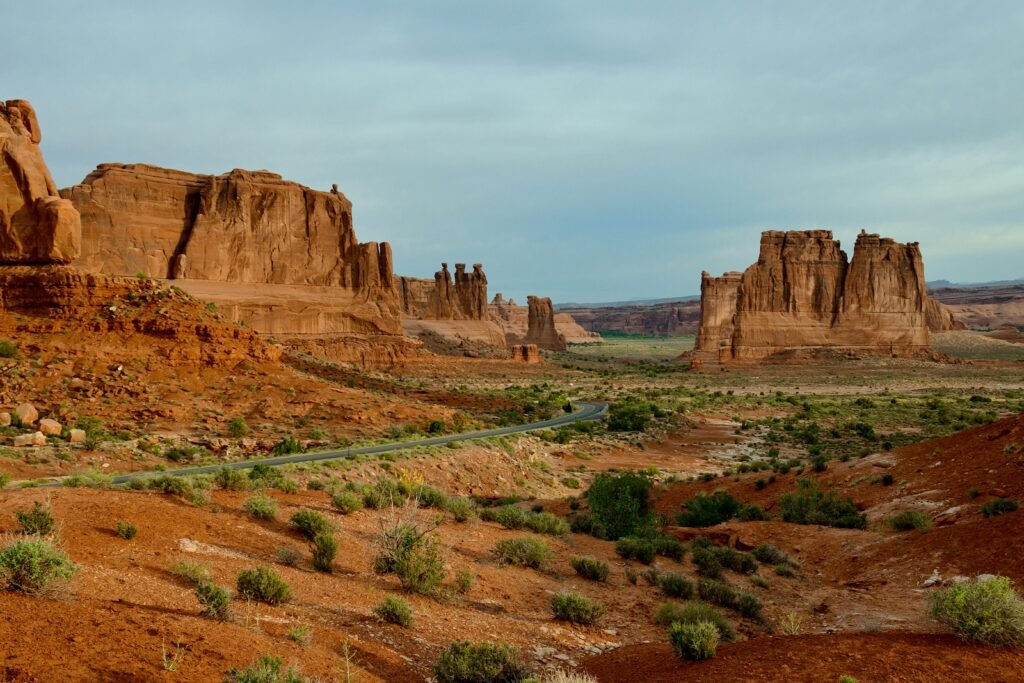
[36,225]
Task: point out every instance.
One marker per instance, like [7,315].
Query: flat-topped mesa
[803,296]
[272,253]
[36,225]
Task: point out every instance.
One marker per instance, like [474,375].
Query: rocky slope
[803,296]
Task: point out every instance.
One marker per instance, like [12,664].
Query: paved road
[585,411]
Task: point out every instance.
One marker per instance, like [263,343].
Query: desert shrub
[311,523]
[910,519]
[286,446]
[237,427]
[748,606]
[575,608]
[525,551]
[394,610]
[987,610]
[670,547]
[547,523]
[571,482]
[34,565]
[708,562]
[584,523]
[675,585]
[126,530]
[590,568]
[651,575]
[412,554]
[268,669]
[288,556]
[303,635]
[183,487]
[508,516]
[705,510]
[264,476]
[562,676]
[4,480]
[697,641]
[693,612]
[214,600]
[712,559]
[37,520]
[324,550]
[8,349]
[752,513]
[430,497]
[717,593]
[999,506]
[769,554]
[190,572]
[620,504]
[261,506]
[787,571]
[466,662]
[346,502]
[462,509]
[463,581]
[809,504]
[263,584]
[631,575]
[636,548]
[231,479]
[630,415]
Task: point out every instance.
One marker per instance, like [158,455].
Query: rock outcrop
[515,321]
[940,317]
[803,297]
[280,257]
[526,353]
[36,225]
[541,325]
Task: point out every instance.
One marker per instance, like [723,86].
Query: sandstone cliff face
[541,325]
[803,296]
[36,225]
[940,317]
[515,321]
[526,353]
[271,253]
[465,298]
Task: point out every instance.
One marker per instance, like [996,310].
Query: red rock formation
[271,253]
[803,296]
[526,353]
[36,225]
[515,321]
[443,299]
[541,325]
[940,317]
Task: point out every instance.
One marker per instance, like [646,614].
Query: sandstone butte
[515,321]
[803,297]
[277,256]
[36,225]
[540,328]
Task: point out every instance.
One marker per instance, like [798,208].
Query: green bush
[910,519]
[190,572]
[261,506]
[999,506]
[636,548]
[34,565]
[525,551]
[268,669]
[465,662]
[263,584]
[394,610]
[183,487]
[670,547]
[462,509]
[311,523]
[575,608]
[8,349]
[675,585]
[288,556]
[810,505]
[508,516]
[620,504]
[413,555]
[463,581]
[717,593]
[126,530]
[286,446]
[769,554]
[214,600]
[36,520]
[752,513]
[231,479]
[705,510]
[325,548]
[346,502]
[237,427]
[989,611]
[264,476]
[712,559]
[697,641]
[630,415]
[694,612]
[590,568]
[547,523]
[787,571]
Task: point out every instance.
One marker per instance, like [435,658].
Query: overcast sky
[588,151]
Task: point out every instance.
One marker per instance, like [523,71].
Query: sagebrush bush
[394,610]
[525,551]
[692,612]
[126,530]
[288,556]
[263,584]
[237,427]
[310,523]
[620,504]
[712,559]
[670,547]
[463,581]
[910,519]
[268,669]
[547,523]
[769,554]
[34,565]
[462,509]
[508,516]
[987,610]
[232,479]
[466,662]
[708,510]
[214,600]
[411,553]
[347,502]
[809,504]
[324,549]
[590,568]
[190,572]
[697,641]
[999,506]
[261,506]
[636,548]
[37,520]
[575,608]
[675,585]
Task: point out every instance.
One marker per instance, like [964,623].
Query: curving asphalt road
[586,411]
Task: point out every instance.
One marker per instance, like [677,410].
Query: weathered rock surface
[36,225]
[940,317]
[526,353]
[27,413]
[33,439]
[541,325]
[76,436]
[49,427]
[803,296]
[663,319]
[515,322]
[276,255]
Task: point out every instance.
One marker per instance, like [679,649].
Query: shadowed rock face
[36,225]
[526,353]
[803,295]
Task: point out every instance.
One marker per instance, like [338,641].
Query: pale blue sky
[583,150]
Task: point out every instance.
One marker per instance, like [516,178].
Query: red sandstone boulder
[526,353]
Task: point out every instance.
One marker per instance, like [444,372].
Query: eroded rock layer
[515,322]
[803,296]
[36,225]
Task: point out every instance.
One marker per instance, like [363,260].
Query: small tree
[620,504]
